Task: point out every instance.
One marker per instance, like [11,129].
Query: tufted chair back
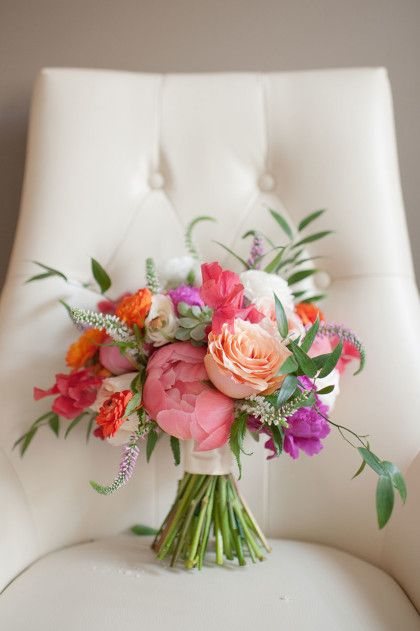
[117,165]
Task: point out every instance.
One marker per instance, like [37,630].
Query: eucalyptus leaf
[287,389]
[332,361]
[54,423]
[313,237]
[301,275]
[310,336]
[100,275]
[384,499]
[39,277]
[133,403]
[305,362]
[373,461]
[326,390]
[289,365]
[360,469]
[310,218]
[51,270]
[277,434]
[272,267]
[282,223]
[27,440]
[397,478]
[73,424]
[281,318]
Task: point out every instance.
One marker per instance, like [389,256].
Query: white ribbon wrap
[213,462]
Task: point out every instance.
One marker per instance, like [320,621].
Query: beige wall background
[205,35]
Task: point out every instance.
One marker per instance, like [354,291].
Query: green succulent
[193,322]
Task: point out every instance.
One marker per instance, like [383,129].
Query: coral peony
[245,361]
[76,391]
[111,413]
[178,398]
[113,360]
[133,309]
[81,351]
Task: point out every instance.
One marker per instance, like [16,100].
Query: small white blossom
[161,323]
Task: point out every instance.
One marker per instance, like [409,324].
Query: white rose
[161,322]
[179,270]
[260,287]
[333,379]
[108,388]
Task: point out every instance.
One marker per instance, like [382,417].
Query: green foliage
[232,253]
[309,219]
[25,440]
[176,450]
[152,281]
[236,438]
[133,404]
[310,336]
[313,237]
[47,273]
[282,223]
[74,422]
[152,438]
[90,426]
[281,318]
[143,531]
[277,433]
[306,363]
[100,275]
[189,243]
[301,275]
[288,366]
[54,424]
[326,390]
[115,327]
[331,360]
[288,388]
[384,499]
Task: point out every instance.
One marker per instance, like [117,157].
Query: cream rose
[161,322]
[245,361]
[108,388]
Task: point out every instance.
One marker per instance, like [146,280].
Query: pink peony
[178,398]
[77,391]
[111,358]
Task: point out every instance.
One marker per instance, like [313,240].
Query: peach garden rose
[245,361]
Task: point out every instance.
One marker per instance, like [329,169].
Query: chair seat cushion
[117,584]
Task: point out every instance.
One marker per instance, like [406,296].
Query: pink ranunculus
[77,391]
[178,398]
[111,358]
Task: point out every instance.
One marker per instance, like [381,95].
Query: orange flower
[308,311]
[80,352]
[111,414]
[134,309]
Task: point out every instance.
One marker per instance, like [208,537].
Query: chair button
[156,180]
[266,182]
[322,280]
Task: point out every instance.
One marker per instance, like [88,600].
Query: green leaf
[305,362]
[74,422]
[287,389]
[39,277]
[298,294]
[319,360]
[360,469]
[288,366]
[133,404]
[384,499]
[236,438]
[310,218]
[331,361]
[27,440]
[135,385]
[326,390]
[176,451]
[143,531]
[282,223]
[66,306]
[100,275]
[51,270]
[274,264]
[277,434]
[397,478]
[281,318]
[89,427]
[316,298]
[236,256]
[54,423]
[310,335]
[152,438]
[373,461]
[313,237]
[298,276]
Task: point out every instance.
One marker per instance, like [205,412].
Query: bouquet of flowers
[205,355]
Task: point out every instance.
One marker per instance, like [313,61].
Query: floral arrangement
[205,355]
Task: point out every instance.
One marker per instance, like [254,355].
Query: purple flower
[186,293]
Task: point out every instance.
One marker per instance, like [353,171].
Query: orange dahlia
[308,312]
[134,309]
[81,351]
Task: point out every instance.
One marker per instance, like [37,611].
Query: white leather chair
[117,164]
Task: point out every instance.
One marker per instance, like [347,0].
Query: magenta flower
[186,293]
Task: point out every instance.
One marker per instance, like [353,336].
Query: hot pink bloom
[112,359]
[77,391]
[223,291]
[176,396]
